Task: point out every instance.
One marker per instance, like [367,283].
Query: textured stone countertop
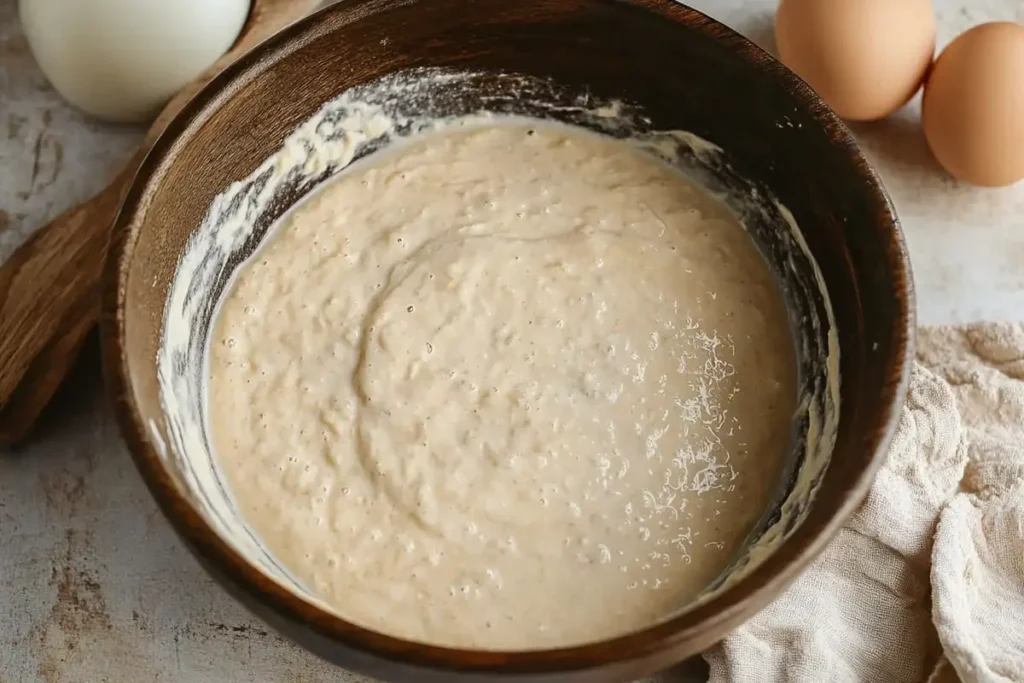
[95,587]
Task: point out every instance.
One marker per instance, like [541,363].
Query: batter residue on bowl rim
[505,386]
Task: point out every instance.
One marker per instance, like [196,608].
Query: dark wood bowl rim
[724,611]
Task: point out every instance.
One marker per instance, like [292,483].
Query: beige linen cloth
[926,582]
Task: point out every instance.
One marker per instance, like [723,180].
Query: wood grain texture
[49,300]
[49,287]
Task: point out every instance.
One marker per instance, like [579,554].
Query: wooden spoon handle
[49,288]
[49,300]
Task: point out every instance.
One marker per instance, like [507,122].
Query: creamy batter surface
[505,386]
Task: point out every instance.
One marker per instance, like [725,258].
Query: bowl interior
[659,67]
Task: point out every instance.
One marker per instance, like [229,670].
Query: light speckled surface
[94,586]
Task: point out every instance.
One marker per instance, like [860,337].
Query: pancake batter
[504,387]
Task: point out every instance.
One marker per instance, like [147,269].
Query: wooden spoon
[50,286]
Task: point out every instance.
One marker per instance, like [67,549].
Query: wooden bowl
[682,71]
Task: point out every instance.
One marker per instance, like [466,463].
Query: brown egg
[865,58]
[973,107]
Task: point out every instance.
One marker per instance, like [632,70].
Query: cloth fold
[926,581]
